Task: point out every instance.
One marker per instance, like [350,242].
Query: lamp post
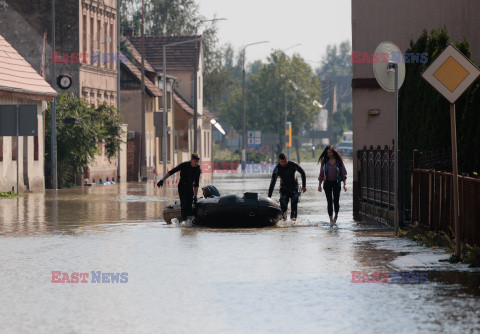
[165,97]
[244,139]
[53,136]
[291,47]
[195,87]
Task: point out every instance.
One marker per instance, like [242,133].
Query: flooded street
[284,279]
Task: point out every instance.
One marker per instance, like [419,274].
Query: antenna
[390,73]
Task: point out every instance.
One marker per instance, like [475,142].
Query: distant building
[131,110]
[185,63]
[21,84]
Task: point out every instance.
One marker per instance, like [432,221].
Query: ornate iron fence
[376,176]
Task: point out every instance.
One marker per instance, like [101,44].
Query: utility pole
[143,154]
[53,136]
[244,134]
[196,88]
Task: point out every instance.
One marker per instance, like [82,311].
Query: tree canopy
[424,117]
[181,17]
[79,143]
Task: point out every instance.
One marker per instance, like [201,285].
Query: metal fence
[376,173]
[432,203]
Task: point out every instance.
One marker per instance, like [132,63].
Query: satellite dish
[383,69]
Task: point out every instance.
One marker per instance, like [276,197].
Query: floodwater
[289,278]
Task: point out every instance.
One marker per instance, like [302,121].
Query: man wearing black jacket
[188,185]
[288,184]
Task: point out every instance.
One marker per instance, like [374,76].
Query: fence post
[412,198]
[430,198]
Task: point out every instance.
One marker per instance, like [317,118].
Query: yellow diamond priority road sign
[451,73]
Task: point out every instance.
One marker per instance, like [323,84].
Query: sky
[312,23]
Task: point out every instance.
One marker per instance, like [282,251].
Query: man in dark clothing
[188,185]
[288,184]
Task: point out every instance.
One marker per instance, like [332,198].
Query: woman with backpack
[332,174]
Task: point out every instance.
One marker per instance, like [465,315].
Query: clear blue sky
[313,23]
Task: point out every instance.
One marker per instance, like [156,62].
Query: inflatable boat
[249,210]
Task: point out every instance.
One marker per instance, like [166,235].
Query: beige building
[374,21]
[86,50]
[20,84]
[185,63]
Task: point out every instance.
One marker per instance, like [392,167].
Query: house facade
[185,63]
[86,50]
[20,84]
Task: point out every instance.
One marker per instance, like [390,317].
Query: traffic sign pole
[453,122]
[451,73]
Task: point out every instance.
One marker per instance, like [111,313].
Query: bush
[77,144]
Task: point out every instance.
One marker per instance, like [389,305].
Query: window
[99,47]
[113,57]
[35,148]
[200,88]
[204,144]
[106,61]
[14,148]
[92,33]
[85,33]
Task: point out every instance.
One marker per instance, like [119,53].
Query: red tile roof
[137,55]
[17,75]
[207,113]
[181,57]
[182,103]
[149,85]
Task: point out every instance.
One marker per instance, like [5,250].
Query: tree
[181,17]
[78,144]
[336,68]
[424,118]
[281,80]
[337,61]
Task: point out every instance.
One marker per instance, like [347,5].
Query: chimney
[128,32]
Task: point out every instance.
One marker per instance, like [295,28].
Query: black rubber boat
[229,211]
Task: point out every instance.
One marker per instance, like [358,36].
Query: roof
[17,75]
[179,57]
[207,113]
[149,85]
[182,103]
[137,55]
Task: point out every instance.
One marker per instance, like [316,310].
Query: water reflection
[295,277]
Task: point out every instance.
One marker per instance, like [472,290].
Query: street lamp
[291,47]
[195,87]
[165,97]
[244,140]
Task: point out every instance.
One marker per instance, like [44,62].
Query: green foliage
[77,144]
[441,239]
[9,194]
[181,17]
[424,116]
[337,61]
[472,255]
[337,66]
[268,86]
